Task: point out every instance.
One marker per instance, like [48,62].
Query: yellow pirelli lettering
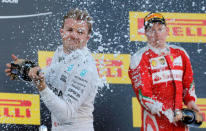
[183,27]
[19,108]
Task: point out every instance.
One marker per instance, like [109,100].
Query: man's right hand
[38,79]
[178,115]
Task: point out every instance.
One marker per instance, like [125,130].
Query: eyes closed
[79,31]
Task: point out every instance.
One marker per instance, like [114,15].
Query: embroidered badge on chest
[158,63]
[162,61]
[154,63]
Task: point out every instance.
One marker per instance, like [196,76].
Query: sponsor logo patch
[69,68]
[167,75]
[154,63]
[158,63]
[177,61]
[83,73]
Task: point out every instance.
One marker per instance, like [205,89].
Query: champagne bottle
[20,69]
[192,118]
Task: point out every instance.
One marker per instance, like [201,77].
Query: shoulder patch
[136,58]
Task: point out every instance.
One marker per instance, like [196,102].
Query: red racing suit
[162,80]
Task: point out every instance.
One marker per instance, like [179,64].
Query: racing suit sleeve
[142,84]
[78,89]
[188,82]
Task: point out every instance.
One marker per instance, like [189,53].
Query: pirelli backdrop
[30,29]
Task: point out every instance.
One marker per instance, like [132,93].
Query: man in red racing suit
[162,79]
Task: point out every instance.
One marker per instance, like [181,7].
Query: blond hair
[78,14]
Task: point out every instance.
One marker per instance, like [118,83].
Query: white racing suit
[72,82]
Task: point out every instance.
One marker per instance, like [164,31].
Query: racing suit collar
[79,53]
[164,51]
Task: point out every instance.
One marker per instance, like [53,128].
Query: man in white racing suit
[72,81]
[69,85]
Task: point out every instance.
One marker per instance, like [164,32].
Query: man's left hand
[191,105]
[38,79]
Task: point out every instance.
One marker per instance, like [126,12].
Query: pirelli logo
[19,109]
[183,27]
[111,66]
[136,111]
[45,58]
